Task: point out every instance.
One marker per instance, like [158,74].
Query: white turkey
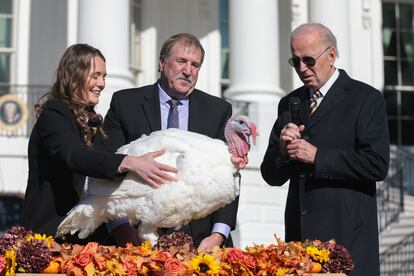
[205,182]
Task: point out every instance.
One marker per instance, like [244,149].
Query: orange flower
[131,264]
[262,262]
[115,267]
[74,271]
[83,259]
[90,269]
[173,266]
[55,266]
[90,248]
[99,261]
[145,248]
[316,267]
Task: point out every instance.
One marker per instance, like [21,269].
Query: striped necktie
[314,102]
[173,120]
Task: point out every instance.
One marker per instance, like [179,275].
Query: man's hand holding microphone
[292,144]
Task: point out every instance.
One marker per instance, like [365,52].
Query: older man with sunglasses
[333,155]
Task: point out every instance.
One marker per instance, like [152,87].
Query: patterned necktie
[173,119]
[314,102]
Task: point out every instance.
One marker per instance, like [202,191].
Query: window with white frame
[134,37]
[10,210]
[6,40]
[398,44]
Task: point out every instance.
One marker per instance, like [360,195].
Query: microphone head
[294,110]
[294,101]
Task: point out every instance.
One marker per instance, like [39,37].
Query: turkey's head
[238,131]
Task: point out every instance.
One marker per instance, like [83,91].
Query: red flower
[163,256]
[83,259]
[2,263]
[173,266]
[250,261]
[234,255]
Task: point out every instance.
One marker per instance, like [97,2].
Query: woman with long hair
[61,152]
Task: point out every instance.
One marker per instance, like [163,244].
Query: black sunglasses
[308,61]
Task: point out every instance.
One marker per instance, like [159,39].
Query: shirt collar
[164,97]
[325,88]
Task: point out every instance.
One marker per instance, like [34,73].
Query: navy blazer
[136,111]
[336,197]
[58,164]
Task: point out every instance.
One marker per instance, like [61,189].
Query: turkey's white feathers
[204,183]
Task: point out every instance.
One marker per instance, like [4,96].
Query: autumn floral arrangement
[174,254]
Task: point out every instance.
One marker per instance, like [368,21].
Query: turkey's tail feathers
[84,217]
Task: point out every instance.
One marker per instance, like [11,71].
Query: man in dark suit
[138,111]
[334,156]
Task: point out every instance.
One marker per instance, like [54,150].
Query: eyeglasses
[308,61]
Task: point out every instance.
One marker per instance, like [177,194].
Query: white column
[335,15]
[108,30]
[72,21]
[209,77]
[299,9]
[366,40]
[23,38]
[255,78]
[254,64]
[254,55]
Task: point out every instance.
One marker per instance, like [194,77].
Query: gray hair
[185,38]
[327,37]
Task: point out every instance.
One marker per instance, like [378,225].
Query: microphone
[294,111]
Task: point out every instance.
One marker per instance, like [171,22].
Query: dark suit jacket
[58,161]
[134,112]
[336,197]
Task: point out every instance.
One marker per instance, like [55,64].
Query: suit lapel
[195,113]
[304,105]
[336,94]
[151,107]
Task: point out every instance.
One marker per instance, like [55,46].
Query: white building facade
[247,47]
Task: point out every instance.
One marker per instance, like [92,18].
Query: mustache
[188,79]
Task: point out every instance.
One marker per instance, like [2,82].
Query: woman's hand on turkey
[149,170]
[208,243]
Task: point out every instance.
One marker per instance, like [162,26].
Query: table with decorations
[23,252]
